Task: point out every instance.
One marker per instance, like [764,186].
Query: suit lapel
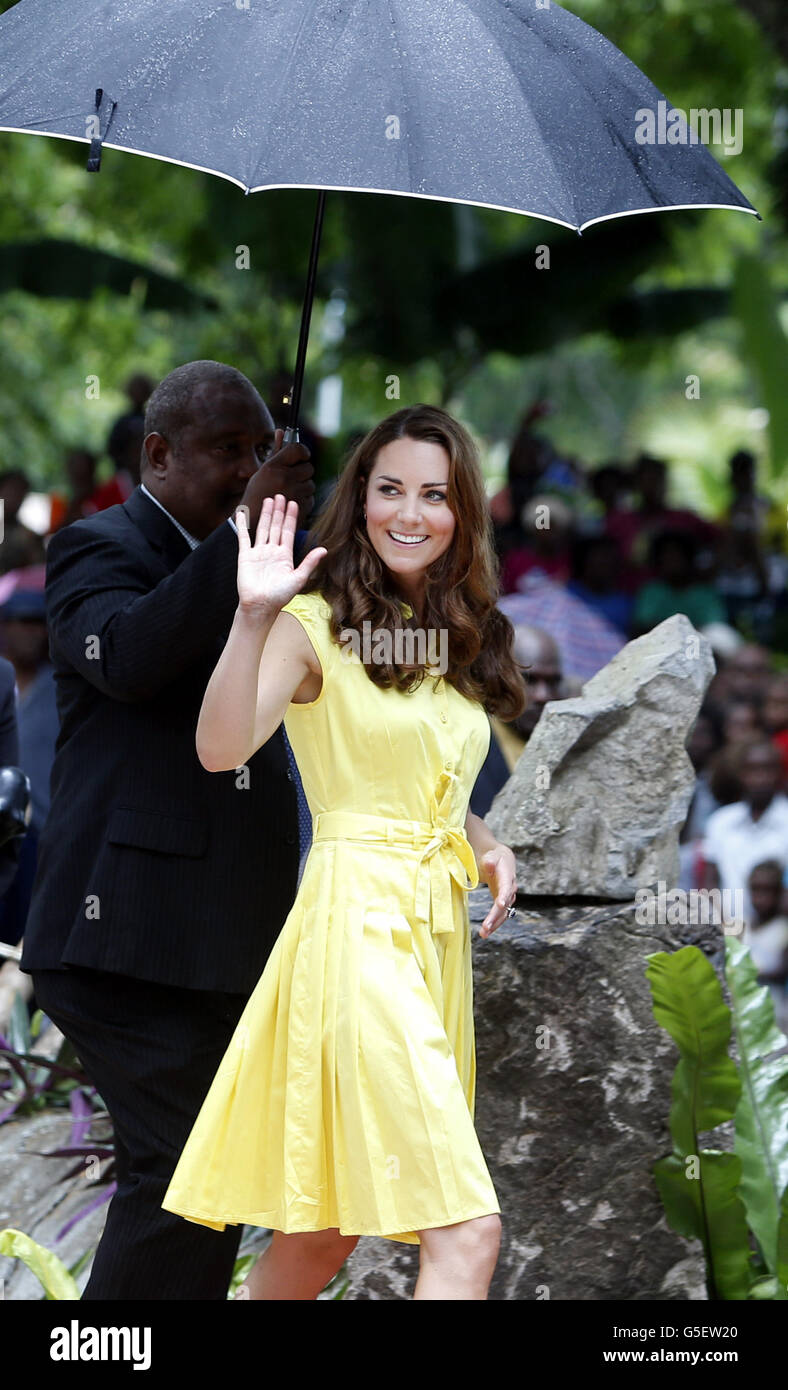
[157,528]
[167,539]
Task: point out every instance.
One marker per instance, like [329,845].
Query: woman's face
[406,496]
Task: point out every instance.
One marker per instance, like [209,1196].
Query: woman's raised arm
[246,698]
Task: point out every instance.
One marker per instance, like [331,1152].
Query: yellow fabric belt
[446,854]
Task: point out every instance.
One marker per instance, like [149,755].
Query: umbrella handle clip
[104,106]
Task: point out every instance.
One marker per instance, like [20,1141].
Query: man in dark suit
[161,888]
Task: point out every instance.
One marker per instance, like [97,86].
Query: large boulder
[572,1104]
[595,802]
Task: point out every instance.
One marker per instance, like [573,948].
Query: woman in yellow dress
[344,1103]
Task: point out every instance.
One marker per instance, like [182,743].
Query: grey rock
[596,800]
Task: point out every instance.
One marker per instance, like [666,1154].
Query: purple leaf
[82,1113]
[97,1202]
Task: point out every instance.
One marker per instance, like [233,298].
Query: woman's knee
[479,1238]
[327,1245]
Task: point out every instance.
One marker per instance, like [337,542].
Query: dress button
[290,839]
[444,716]
[449,765]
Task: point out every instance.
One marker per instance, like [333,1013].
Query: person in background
[124,447]
[744,675]
[608,485]
[596,570]
[766,935]
[741,719]
[529,456]
[138,388]
[547,529]
[19,546]
[634,528]
[749,831]
[676,588]
[26,645]
[540,660]
[703,743]
[775,715]
[745,500]
[740,567]
[76,503]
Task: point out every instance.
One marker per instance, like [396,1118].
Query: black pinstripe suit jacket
[149,865]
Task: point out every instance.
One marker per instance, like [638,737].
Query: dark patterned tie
[304,816]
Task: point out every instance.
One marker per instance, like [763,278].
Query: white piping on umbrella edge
[394,192]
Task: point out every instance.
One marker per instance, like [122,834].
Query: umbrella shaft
[306,314]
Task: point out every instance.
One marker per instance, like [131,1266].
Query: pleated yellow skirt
[345,1098]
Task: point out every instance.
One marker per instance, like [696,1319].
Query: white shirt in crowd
[735,843]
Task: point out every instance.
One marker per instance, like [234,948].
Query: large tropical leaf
[701,1201]
[762,1112]
[699,1187]
[687,1001]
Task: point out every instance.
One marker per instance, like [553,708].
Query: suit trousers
[151,1050]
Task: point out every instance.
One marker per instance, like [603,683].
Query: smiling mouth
[401,539]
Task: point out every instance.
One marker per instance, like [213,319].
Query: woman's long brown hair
[461,586]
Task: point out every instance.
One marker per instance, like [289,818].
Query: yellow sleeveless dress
[345,1098]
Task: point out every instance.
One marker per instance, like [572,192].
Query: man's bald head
[535,647]
[538,652]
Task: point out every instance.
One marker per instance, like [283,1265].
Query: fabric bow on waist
[446,851]
[448,848]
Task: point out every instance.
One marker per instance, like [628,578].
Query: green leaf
[701,1201]
[761,1118]
[782,1246]
[764,1288]
[84,1259]
[241,1268]
[687,1001]
[57,1282]
[19,1026]
[699,1188]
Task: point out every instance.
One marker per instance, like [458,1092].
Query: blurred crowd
[590,557]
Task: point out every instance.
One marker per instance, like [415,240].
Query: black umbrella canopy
[499,103]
